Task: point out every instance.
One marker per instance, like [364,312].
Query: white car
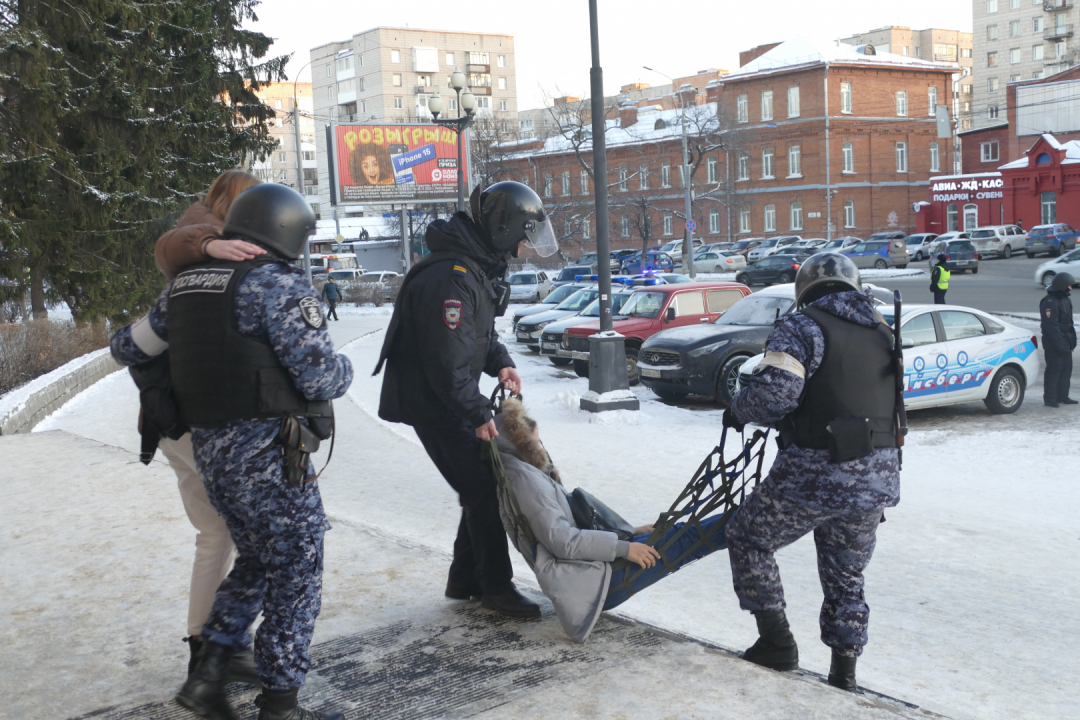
[529,286]
[771,245]
[1000,240]
[1069,262]
[674,249]
[918,245]
[955,354]
[717,262]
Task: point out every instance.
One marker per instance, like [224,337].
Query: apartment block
[280,166]
[1018,40]
[387,74]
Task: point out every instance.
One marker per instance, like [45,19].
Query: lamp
[434,104]
[468,102]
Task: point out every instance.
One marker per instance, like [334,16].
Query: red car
[648,311]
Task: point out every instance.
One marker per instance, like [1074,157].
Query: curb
[69,382]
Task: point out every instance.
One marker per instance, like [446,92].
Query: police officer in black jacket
[1059,341]
[441,337]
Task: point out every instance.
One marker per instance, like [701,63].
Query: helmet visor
[540,237]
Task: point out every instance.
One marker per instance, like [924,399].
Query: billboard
[395,163]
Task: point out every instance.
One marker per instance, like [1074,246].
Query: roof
[1071,148]
[984,128]
[803,51]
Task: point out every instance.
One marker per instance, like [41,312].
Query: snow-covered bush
[30,349]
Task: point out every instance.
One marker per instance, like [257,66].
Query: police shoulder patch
[311,311]
[460,269]
[452,313]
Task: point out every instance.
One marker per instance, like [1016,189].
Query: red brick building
[759,152]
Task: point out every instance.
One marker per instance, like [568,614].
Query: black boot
[195,645]
[775,647]
[241,667]
[510,603]
[842,672]
[204,691]
[463,592]
[282,705]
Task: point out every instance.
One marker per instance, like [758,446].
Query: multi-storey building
[387,74]
[1018,40]
[280,166]
[807,139]
[945,46]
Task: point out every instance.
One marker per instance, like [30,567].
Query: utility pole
[828,178]
[300,178]
[688,189]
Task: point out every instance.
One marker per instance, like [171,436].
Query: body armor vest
[219,374]
[855,380]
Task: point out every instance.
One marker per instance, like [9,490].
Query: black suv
[770,270]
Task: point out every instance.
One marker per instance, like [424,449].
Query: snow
[804,51]
[972,586]
[16,399]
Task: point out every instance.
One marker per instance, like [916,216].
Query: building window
[330,91]
[992,85]
[796,216]
[935,157]
[966,89]
[584,182]
[794,161]
[1049,208]
[363,85]
[714,221]
[971,216]
[1036,52]
[330,70]
[845,97]
[423,81]
[504,105]
[308,155]
[849,213]
[1014,4]
[396,80]
[567,228]
[918,51]
[282,157]
[988,151]
[849,157]
[665,174]
[952,218]
[483,103]
[565,182]
[901,157]
[624,225]
[547,184]
[479,80]
[1014,28]
[931,100]
[1037,74]
[965,52]
[1014,56]
[710,169]
[284,175]
[643,177]
[766,105]
[991,32]
[1036,25]
[742,108]
[622,179]
[793,101]
[501,61]
[277,104]
[992,112]
[1014,78]
[345,64]
[744,167]
[449,60]
[502,83]
[901,103]
[991,6]
[669,224]
[1060,50]
[479,58]
[744,221]
[395,56]
[770,218]
[766,163]
[586,228]
[345,86]
[399,103]
[992,59]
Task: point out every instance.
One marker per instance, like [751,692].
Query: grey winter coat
[573,566]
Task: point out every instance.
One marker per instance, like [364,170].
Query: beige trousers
[214,550]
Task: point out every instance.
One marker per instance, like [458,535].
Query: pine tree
[115,115]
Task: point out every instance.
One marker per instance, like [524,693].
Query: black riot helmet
[275,215]
[824,274]
[1062,282]
[511,212]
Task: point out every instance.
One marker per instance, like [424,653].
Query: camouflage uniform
[278,530]
[841,502]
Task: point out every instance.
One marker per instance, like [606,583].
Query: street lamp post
[688,243]
[465,101]
[300,165]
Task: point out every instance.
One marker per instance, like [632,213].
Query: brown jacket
[183,245]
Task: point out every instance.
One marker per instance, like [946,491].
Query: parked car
[528,329]
[674,249]
[722,247]
[705,360]
[880,254]
[551,339]
[770,246]
[557,296]
[617,257]
[588,259]
[960,255]
[570,273]
[385,278]
[809,244]
[839,244]
[1054,240]
[650,310]
[743,247]
[918,245]
[653,261]
[769,271]
[1000,240]
[529,286]
[674,278]
[347,274]
[1069,263]
[714,262]
[887,235]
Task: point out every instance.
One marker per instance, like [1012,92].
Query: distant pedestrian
[331,294]
[939,280]
[364,234]
[1020,224]
[1059,340]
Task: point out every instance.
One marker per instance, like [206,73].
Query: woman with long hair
[369,164]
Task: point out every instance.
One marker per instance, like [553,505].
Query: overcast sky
[551,37]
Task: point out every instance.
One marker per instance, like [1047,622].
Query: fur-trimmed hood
[517,438]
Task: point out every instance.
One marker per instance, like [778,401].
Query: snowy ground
[972,587]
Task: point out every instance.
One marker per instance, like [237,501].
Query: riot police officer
[253,368]
[828,381]
[1059,340]
[440,338]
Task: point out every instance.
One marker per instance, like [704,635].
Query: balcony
[1057,31]
[478,90]
[945,57]
[477,68]
[1058,5]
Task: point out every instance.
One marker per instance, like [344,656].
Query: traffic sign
[690,226]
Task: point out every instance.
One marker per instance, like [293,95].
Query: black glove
[732,422]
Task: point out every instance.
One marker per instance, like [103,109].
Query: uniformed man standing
[441,337]
[828,382]
[250,354]
[1059,341]
[939,280]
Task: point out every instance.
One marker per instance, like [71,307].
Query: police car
[955,354]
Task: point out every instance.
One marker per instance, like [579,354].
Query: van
[998,240]
[880,253]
